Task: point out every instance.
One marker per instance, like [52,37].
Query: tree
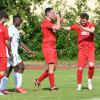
[66,41]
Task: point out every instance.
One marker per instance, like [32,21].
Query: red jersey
[3,36]
[48,34]
[85,39]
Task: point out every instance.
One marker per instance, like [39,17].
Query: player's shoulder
[3,26]
[44,22]
[75,25]
[11,27]
[91,24]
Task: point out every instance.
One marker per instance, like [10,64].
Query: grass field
[65,81]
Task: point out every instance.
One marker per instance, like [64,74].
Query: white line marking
[93,99]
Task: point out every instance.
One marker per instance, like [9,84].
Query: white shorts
[16,60]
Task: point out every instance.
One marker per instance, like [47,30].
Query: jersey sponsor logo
[84,33]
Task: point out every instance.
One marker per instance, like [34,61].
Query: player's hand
[80,25]
[61,20]
[57,16]
[63,28]
[31,53]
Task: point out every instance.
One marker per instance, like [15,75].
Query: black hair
[48,10]
[84,15]
[16,17]
[3,14]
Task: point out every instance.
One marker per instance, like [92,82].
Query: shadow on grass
[11,90]
[48,89]
[86,88]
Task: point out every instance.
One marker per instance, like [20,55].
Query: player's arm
[8,45]
[57,26]
[91,30]
[72,27]
[66,28]
[26,48]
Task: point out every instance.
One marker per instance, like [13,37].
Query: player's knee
[2,74]
[51,70]
[21,68]
[8,71]
[80,68]
[51,67]
[91,64]
[7,74]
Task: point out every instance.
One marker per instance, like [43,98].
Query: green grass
[65,80]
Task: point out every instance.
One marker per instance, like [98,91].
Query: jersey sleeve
[10,31]
[73,27]
[93,25]
[49,24]
[6,36]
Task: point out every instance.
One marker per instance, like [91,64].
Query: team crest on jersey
[84,33]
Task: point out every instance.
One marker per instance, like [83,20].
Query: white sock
[3,83]
[90,87]
[15,79]
[19,80]
[89,80]
[79,85]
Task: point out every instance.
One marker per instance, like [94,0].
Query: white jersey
[14,34]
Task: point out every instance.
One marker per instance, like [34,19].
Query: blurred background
[32,12]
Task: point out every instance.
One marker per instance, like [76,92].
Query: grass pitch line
[93,99]
[96,77]
[75,76]
[71,75]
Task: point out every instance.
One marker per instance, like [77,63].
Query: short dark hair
[3,14]
[17,16]
[84,15]
[48,10]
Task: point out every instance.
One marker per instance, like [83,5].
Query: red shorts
[50,54]
[3,63]
[84,56]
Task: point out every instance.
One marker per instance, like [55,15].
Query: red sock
[79,76]
[51,80]
[43,76]
[90,72]
[1,76]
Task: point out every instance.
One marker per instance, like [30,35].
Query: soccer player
[49,47]
[17,63]
[4,41]
[86,48]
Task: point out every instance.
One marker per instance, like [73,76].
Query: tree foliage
[66,41]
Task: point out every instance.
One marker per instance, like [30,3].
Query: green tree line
[66,41]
